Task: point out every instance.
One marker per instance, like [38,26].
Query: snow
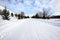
[29,29]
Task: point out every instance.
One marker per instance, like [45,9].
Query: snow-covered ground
[29,29]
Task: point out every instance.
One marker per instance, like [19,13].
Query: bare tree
[22,15]
[19,16]
[46,13]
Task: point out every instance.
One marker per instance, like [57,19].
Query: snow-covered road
[30,29]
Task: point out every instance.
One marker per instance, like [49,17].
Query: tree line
[45,15]
[41,15]
[6,15]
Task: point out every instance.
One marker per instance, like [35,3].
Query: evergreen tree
[5,14]
[12,14]
[37,16]
[18,16]
[0,12]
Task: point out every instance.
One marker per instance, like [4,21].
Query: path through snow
[31,29]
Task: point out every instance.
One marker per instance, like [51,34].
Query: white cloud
[56,5]
[32,6]
[1,7]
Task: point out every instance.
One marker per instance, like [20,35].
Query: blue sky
[31,6]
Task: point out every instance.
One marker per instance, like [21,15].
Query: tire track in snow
[7,27]
[31,28]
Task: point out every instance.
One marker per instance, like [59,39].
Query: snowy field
[30,29]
